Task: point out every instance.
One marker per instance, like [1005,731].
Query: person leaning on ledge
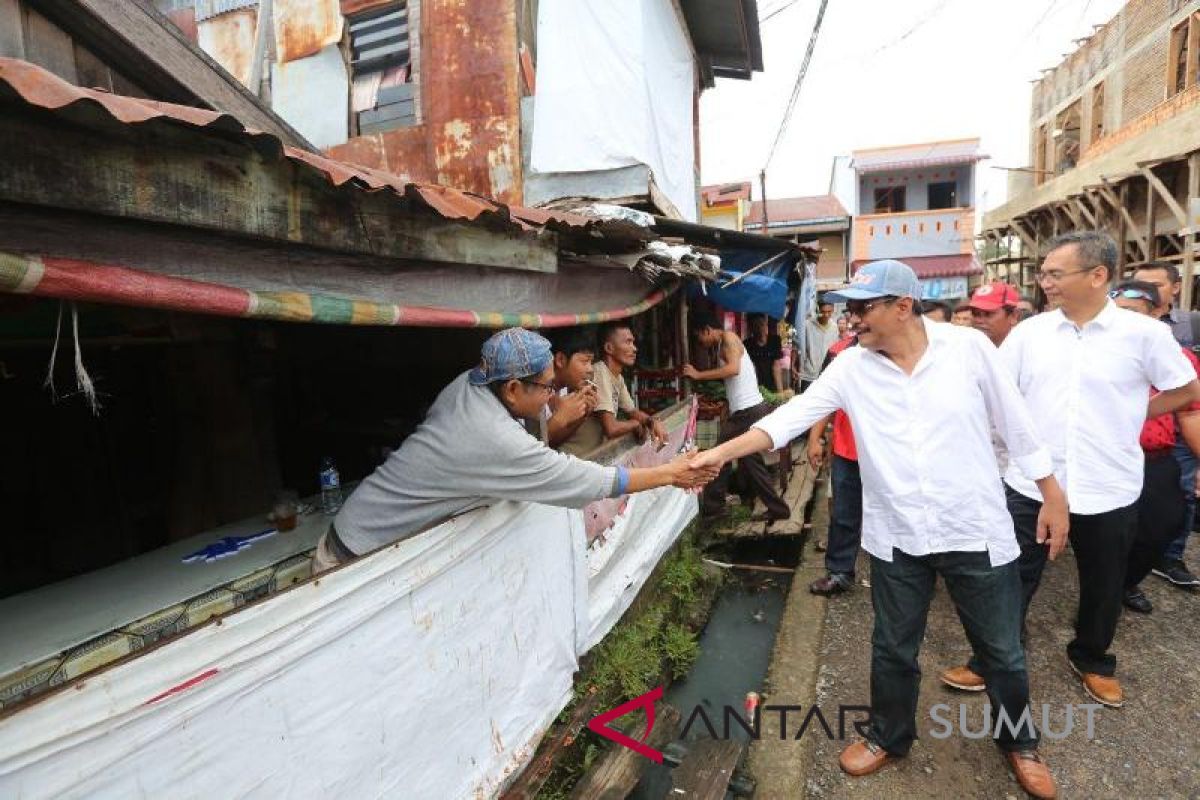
[472,450]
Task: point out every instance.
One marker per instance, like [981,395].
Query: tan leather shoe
[1101,688]
[1033,774]
[963,678]
[863,758]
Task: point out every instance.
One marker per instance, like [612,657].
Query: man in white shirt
[1085,370]
[921,396]
[746,407]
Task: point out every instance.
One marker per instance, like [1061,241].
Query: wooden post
[1189,236]
[1151,223]
[762,182]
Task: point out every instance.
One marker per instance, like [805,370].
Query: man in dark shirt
[765,350]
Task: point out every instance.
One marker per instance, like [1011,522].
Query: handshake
[693,469]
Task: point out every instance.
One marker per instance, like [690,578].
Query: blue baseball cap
[511,353]
[887,278]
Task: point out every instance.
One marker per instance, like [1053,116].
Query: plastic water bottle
[331,487]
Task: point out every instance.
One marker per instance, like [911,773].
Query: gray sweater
[468,452]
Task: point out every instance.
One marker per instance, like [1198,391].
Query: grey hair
[1096,249]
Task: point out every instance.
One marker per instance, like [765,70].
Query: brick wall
[1145,79]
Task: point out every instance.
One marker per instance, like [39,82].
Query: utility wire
[777,10]
[791,105]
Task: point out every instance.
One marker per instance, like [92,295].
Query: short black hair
[606,331]
[824,302]
[1166,266]
[700,320]
[964,306]
[936,305]
[1142,286]
[570,341]
[1096,249]
[755,317]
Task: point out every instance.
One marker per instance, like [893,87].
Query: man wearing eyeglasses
[1086,370]
[472,450]
[920,395]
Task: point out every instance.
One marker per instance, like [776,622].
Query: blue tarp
[763,292]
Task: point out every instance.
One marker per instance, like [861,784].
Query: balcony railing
[944,231]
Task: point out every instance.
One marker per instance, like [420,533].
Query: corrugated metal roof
[924,154]
[936,266]
[725,193]
[796,209]
[36,87]
[207,9]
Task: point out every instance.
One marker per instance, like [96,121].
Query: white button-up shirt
[924,443]
[1088,391]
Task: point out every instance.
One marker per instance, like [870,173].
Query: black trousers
[1101,544]
[845,517]
[753,469]
[1160,512]
[988,602]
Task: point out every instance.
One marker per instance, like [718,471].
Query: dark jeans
[1101,545]
[752,467]
[1187,478]
[988,601]
[1160,512]
[845,517]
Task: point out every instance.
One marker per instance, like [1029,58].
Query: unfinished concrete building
[1114,146]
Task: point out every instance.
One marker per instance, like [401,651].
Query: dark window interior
[380,50]
[943,195]
[889,200]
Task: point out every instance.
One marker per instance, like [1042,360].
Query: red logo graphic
[599,724]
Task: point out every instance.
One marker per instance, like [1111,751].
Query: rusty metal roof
[925,154]
[27,83]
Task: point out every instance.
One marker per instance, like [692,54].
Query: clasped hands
[692,470]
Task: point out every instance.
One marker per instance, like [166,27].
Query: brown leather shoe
[1033,774]
[863,758]
[964,679]
[1101,688]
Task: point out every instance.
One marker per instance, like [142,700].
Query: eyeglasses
[1132,294]
[548,388]
[860,308]
[1056,275]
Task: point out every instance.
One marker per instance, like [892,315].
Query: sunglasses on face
[860,308]
[1133,294]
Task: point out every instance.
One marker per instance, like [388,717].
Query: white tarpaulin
[615,89]
[429,670]
[632,549]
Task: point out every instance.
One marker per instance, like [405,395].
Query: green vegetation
[654,643]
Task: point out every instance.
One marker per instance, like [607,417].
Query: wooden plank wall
[26,34]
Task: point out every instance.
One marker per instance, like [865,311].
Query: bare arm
[1173,399]
[731,354]
[615,428]
[816,448]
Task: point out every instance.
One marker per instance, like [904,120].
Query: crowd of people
[974,452]
[977,458]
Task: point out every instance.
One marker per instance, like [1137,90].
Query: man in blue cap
[920,396]
[472,449]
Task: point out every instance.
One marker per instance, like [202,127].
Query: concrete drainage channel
[735,653]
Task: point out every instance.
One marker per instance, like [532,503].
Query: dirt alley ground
[1148,748]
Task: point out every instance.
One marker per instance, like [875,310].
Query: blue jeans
[988,602]
[845,517]
[1187,481]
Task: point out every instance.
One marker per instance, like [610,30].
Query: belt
[337,546]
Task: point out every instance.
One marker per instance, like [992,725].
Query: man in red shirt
[845,512]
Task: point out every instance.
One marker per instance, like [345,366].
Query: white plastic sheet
[615,89]
[313,95]
[429,670]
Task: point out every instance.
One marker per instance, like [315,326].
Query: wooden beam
[1156,184]
[1086,212]
[706,770]
[134,38]
[1126,217]
[166,174]
[1189,237]
[1151,223]
[619,770]
[1027,239]
[1072,214]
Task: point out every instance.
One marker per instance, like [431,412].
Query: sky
[889,72]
